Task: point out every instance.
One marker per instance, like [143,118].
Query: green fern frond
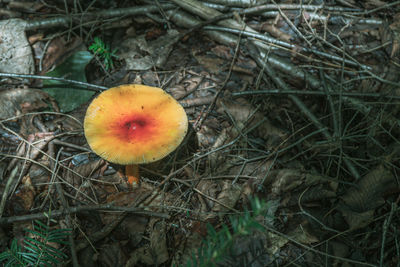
[13,255]
[37,249]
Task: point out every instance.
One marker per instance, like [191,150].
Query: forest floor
[291,157]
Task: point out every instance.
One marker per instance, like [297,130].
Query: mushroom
[134,124]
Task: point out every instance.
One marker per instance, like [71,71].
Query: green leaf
[73,68]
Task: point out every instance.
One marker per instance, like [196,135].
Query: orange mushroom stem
[134,124]
[132,173]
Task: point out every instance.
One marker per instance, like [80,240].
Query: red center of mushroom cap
[135,128]
[132,124]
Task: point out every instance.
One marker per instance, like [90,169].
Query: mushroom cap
[134,124]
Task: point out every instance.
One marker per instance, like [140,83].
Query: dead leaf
[359,203]
[248,251]
[302,234]
[76,175]
[139,54]
[25,6]
[17,101]
[285,180]
[154,253]
[158,241]
[191,243]
[26,193]
[212,63]
[134,227]
[58,50]
[275,242]
[368,195]
[394,36]
[356,220]
[209,188]
[112,254]
[339,249]
[228,197]
[245,114]
[374,3]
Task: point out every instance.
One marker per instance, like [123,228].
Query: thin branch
[78,209]
[91,87]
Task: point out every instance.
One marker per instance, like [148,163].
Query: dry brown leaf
[19,231]
[186,248]
[368,195]
[25,196]
[248,251]
[206,136]
[126,198]
[223,51]
[228,197]
[212,63]
[341,250]
[158,241]
[356,220]
[112,254]
[302,234]
[154,253]
[275,242]
[245,114]
[375,3]
[359,203]
[59,50]
[139,54]
[154,200]
[224,137]
[25,6]
[33,39]
[285,180]
[134,227]
[209,188]
[74,176]
[395,37]
[16,101]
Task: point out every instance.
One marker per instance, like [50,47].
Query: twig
[222,88]
[50,171]
[312,217]
[205,195]
[378,8]
[269,229]
[64,202]
[7,189]
[385,227]
[162,12]
[95,16]
[290,23]
[91,87]
[261,8]
[78,209]
[314,93]
[287,45]
[105,231]
[62,143]
[282,85]
[336,128]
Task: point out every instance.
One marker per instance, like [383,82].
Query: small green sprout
[103,52]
